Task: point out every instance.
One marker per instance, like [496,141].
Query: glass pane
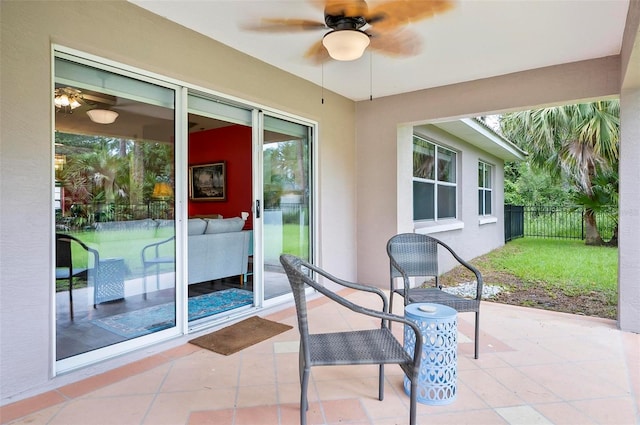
[115,230]
[487,202]
[446,201]
[423,201]
[481,202]
[423,159]
[220,233]
[487,176]
[480,174]
[446,165]
[287,180]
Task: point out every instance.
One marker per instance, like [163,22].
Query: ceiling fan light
[102,116]
[345,45]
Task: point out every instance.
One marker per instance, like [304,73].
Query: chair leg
[71,295]
[381,383]
[391,305]
[304,402]
[412,401]
[477,342]
[144,280]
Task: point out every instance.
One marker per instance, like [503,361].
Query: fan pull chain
[322,83]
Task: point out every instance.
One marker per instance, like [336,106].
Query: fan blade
[403,43]
[317,53]
[285,25]
[394,13]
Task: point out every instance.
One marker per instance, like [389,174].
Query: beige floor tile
[610,411]
[564,413]
[344,411]
[145,383]
[523,415]
[257,395]
[104,411]
[486,387]
[175,407]
[263,415]
[212,417]
[40,417]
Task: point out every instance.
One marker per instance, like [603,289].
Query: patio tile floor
[535,367]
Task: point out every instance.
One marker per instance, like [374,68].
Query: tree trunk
[592,236]
[136,176]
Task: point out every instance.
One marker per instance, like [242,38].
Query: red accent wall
[231,144]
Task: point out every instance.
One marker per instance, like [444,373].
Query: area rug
[136,323]
[240,335]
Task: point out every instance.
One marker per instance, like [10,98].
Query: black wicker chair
[64,262]
[372,346]
[416,255]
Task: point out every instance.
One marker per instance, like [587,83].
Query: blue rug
[136,323]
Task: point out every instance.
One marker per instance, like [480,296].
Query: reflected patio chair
[65,269]
[416,255]
[359,347]
[151,257]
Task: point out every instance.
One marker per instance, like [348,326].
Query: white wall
[122,32]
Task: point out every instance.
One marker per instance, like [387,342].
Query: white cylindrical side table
[438,368]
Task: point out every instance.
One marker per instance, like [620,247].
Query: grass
[568,265]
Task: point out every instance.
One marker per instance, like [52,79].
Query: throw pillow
[197,226]
[225,225]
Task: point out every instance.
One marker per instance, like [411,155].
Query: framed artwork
[208,182]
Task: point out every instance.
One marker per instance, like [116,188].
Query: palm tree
[577,142]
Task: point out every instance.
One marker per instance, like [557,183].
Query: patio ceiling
[475,40]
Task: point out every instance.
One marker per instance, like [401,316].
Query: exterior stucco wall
[473,239]
[629,231]
[378,121]
[120,31]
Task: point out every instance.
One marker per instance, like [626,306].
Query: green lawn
[556,263]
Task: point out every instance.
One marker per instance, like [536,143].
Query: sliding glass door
[114,207]
[172,207]
[287,191]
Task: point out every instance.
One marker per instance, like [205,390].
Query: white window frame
[437,183]
[483,188]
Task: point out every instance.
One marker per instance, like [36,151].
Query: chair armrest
[383,315]
[475,271]
[69,238]
[352,285]
[155,246]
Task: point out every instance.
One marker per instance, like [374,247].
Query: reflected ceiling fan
[354,27]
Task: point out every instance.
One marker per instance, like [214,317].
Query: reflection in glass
[107,210]
[287,217]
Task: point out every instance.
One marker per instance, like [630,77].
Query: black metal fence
[83,216]
[555,222]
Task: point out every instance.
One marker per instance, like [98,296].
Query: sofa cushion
[225,225]
[197,226]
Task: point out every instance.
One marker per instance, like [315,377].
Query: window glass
[446,165]
[484,188]
[434,188]
[423,201]
[446,201]
[423,159]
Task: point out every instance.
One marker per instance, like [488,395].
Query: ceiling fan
[354,27]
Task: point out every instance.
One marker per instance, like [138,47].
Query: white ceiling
[477,39]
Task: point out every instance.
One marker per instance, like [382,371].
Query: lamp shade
[162,190]
[102,116]
[345,45]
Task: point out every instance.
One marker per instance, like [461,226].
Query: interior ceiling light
[345,44]
[102,116]
[67,98]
